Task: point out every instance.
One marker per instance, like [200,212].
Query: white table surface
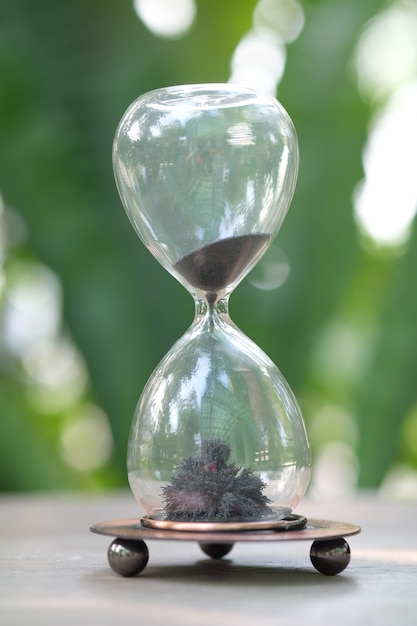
[54,571]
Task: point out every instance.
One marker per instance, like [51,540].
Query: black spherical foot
[216,550]
[330,556]
[127,557]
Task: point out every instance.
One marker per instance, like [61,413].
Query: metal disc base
[329,553]
[273,522]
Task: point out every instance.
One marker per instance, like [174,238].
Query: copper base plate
[281,519]
[313,529]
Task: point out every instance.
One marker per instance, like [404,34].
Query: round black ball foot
[216,550]
[330,556]
[128,557]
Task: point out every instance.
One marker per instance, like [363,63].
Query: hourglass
[218,450]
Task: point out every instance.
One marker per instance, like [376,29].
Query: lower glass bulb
[217,434]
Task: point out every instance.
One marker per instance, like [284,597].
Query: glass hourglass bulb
[206,174]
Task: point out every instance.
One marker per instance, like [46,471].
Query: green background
[68,71]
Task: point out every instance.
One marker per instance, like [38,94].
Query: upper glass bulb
[197,165]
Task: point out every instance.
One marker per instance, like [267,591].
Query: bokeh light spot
[400,483]
[86,440]
[259,61]
[335,471]
[286,17]
[33,306]
[386,201]
[271,271]
[57,374]
[166,18]
[386,56]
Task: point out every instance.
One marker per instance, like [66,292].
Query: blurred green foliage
[68,70]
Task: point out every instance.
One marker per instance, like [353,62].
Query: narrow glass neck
[218,309]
